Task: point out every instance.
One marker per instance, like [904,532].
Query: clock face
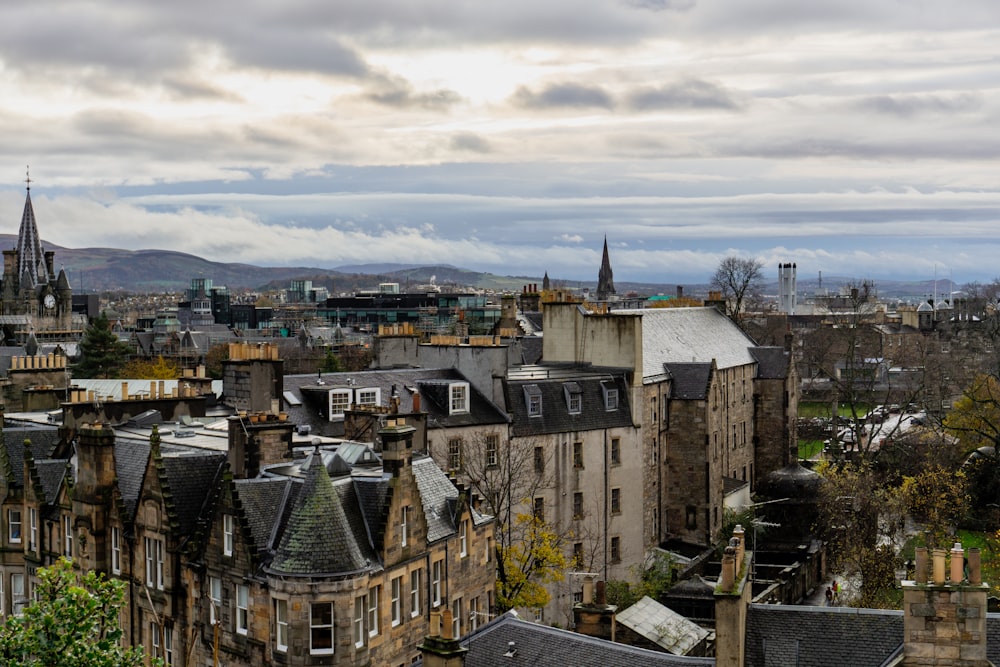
[50,301]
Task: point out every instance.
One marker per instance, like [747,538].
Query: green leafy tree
[102,355]
[72,623]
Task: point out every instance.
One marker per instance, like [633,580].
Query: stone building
[33,297]
[264,553]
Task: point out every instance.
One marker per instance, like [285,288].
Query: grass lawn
[809,448]
[810,409]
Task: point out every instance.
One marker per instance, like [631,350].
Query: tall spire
[30,259]
[605,278]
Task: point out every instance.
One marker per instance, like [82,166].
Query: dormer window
[369,396]
[610,392]
[458,398]
[574,397]
[533,400]
[340,401]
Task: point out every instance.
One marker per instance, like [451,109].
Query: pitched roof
[537,644]
[190,479]
[689,381]
[821,636]
[51,473]
[772,362]
[662,625]
[131,458]
[266,505]
[689,334]
[43,442]
[438,495]
[323,530]
[555,414]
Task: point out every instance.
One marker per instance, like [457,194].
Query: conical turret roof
[29,248]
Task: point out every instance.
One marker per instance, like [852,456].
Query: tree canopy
[102,355]
[73,622]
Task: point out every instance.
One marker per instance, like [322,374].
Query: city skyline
[853,139]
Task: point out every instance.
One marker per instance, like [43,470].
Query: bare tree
[739,280]
[512,477]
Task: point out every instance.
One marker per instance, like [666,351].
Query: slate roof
[51,473]
[438,495]
[689,381]
[538,644]
[131,457]
[772,362]
[266,504]
[191,480]
[313,392]
[43,442]
[689,334]
[821,636]
[322,533]
[531,349]
[556,416]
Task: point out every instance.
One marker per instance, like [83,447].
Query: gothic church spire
[30,259]
[605,278]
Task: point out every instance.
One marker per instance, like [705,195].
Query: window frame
[396,601]
[616,500]
[404,525]
[374,593]
[415,578]
[228,536]
[458,398]
[281,625]
[33,529]
[463,538]
[436,571]
[67,535]
[314,627]
[242,609]
[358,622]
[368,396]
[492,443]
[456,617]
[17,538]
[18,593]
[116,550]
[214,603]
[616,451]
[455,453]
[339,408]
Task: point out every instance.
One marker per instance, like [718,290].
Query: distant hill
[110,269]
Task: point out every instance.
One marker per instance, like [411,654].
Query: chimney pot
[975,566]
[938,558]
[920,567]
[957,563]
[602,597]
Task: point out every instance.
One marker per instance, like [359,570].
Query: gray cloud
[686,94]
[906,106]
[563,95]
[473,143]
[394,91]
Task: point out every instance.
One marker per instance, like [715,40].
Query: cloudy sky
[853,137]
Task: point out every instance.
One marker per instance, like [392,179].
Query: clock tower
[33,298]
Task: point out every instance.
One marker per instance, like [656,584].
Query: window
[116,550]
[616,501]
[340,402]
[539,460]
[242,607]
[533,400]
[436,583]
[168,646]
[321,628]
[395,605]
[538,508]
[68,536]
[578,554]
[492,445]
[616,549]
[281,625]
[610,392]
[616,451]
[577,455]
[227,534]
[154,639]
[154,562]
[574,397]
[14,526]
[578,505]
[374,594]
[458,397]
[456,617]
[371,396]
[215,600]
[415,593]
[652,409]
[33,529]
[359,621]
[463,538]
[3,606]
[473,614]
[455,454]
[404,525]
[17,599]
[489,549]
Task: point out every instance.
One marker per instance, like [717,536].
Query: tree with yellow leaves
[529,562]
[147,369]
